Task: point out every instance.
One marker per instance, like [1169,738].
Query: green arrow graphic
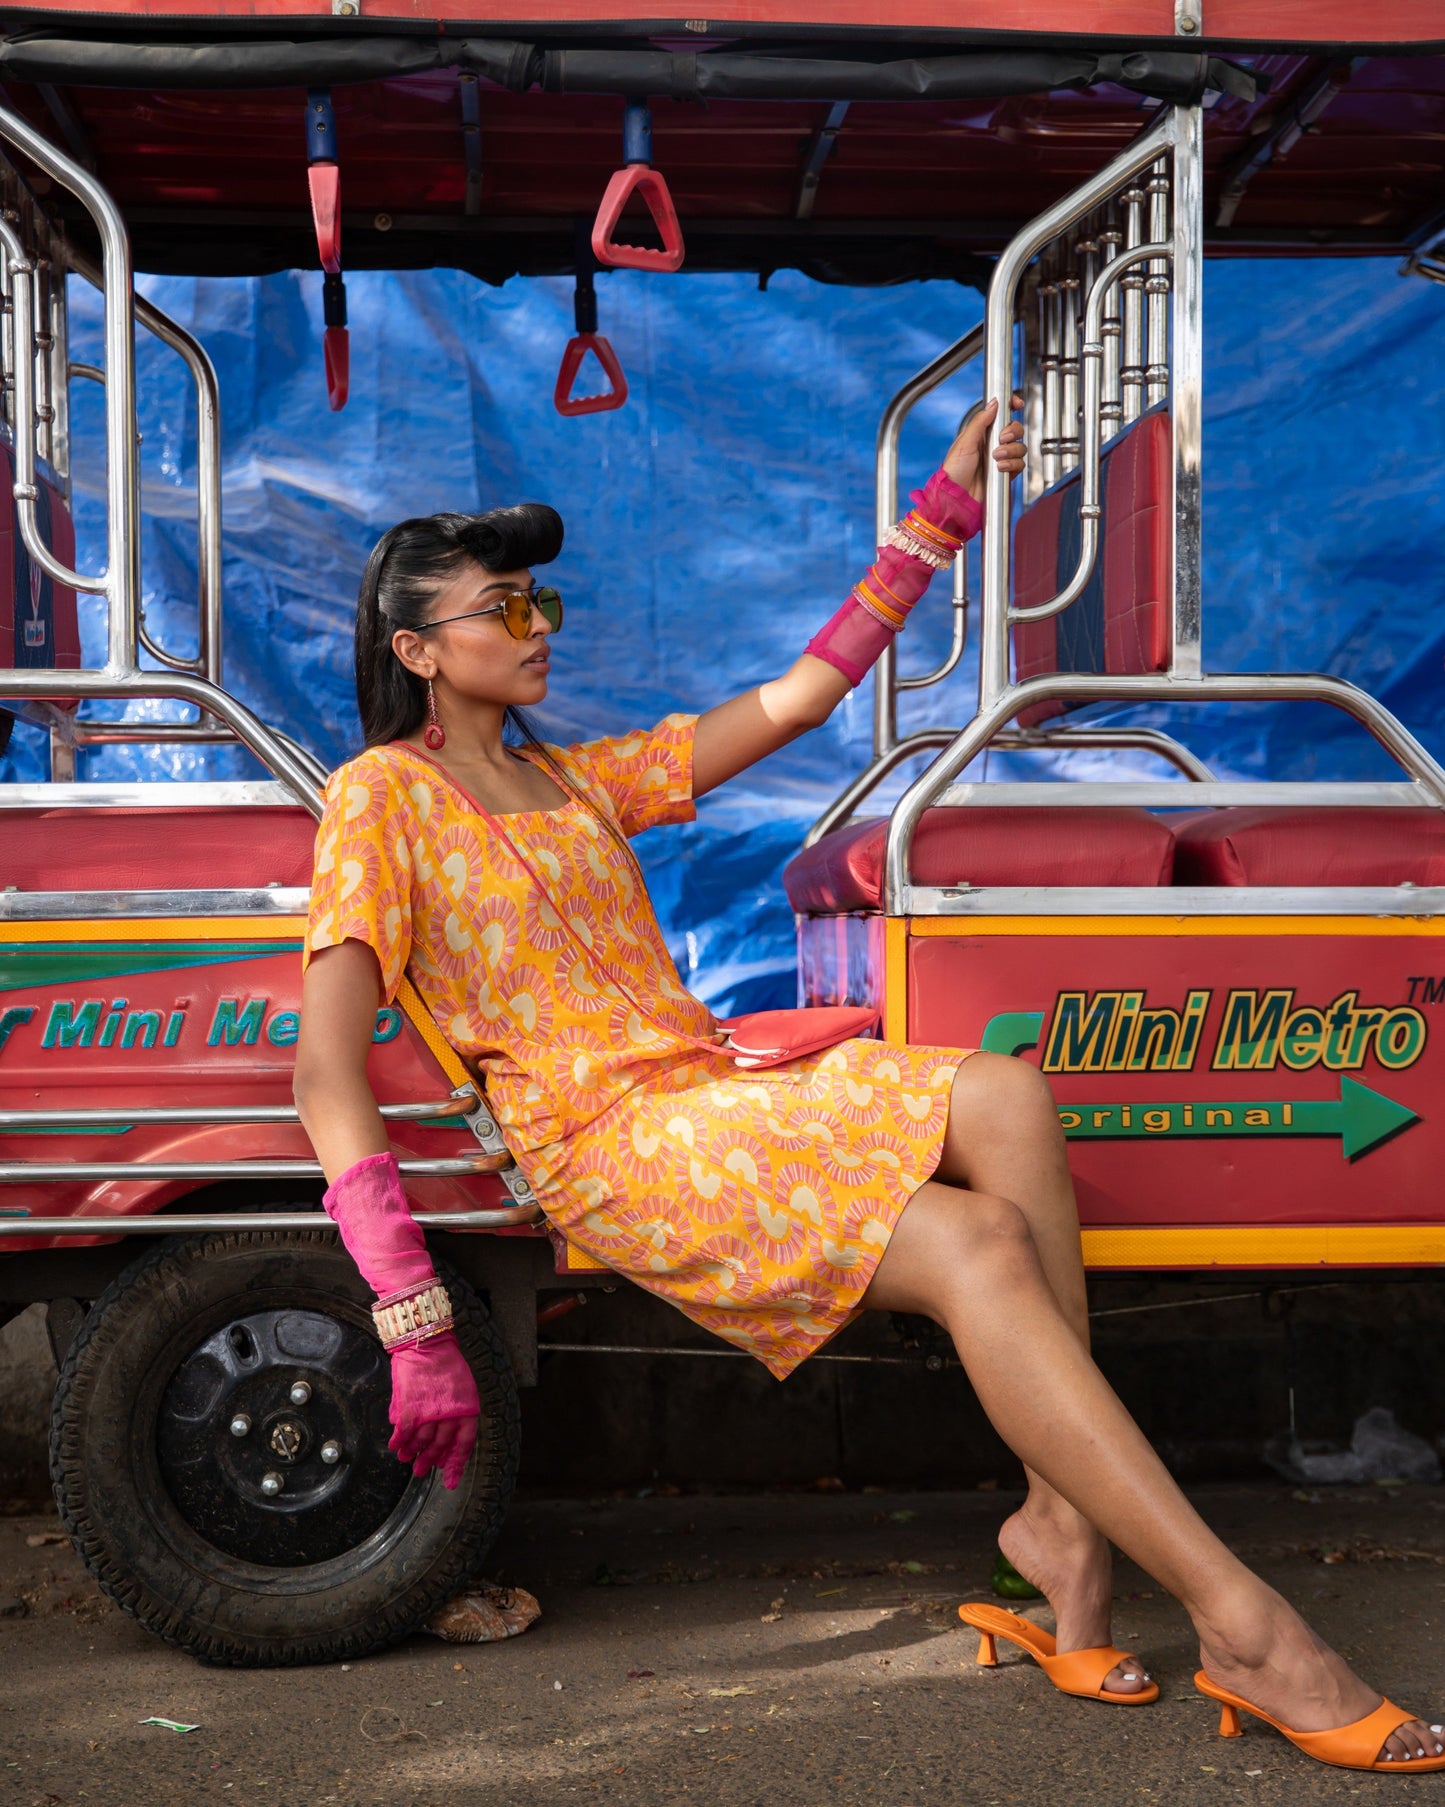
[1362,1119]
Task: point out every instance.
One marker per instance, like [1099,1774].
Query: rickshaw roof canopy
[856,141]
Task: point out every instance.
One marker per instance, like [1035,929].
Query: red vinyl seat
[1122,622]
[984,846]
[1312,847]
[39,620]
[160,849]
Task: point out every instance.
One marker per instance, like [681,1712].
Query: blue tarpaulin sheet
[719,517]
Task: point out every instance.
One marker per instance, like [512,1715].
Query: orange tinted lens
[517,614]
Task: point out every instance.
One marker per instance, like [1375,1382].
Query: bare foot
[1069,1562]
[1274,1660]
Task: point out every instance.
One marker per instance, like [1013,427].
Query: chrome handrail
[121,676]
[1090,508]
[207,662]
[999,384]
[885,510]
[502,1217]
[1397,740]
[18,1122]
[21,1173]
[121,580]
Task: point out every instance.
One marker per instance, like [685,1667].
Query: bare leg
[1004,1138]
[969,1261]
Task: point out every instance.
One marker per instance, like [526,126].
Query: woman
[770,1206]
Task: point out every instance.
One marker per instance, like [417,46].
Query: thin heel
[987,1650]
[1229,1726]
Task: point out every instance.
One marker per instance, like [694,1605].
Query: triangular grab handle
[577,348]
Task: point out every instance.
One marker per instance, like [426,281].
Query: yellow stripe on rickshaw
[1261,1245]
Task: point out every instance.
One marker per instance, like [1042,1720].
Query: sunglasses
[515,608]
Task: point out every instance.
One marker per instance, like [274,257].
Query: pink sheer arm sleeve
[942,519]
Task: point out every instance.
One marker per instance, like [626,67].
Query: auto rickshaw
[1229,984]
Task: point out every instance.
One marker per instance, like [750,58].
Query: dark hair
[408,565]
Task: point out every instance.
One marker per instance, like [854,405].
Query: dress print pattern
[759,1203]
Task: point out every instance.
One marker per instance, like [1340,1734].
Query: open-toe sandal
[1353,1746]
[1080,1672]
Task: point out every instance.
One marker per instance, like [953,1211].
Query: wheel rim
[276,1478]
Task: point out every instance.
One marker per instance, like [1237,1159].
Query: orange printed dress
[759,1203]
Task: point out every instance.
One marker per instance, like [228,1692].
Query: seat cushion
[156,849]
[1312,847]
[984,846]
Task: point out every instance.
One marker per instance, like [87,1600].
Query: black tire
[164,1502]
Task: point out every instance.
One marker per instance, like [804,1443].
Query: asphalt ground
[761,1650]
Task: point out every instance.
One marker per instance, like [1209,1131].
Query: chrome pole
[1156,287]
[22,300]
[1187,392]
[1049,366]
[1068,363]
[1111,407]
[500,1218]
[121,583]
[885,506]
[999,386]
[1090,507]
[1131,370]
[59,386]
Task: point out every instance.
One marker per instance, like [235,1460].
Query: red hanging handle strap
[651,184]
[637,177]
[577,348]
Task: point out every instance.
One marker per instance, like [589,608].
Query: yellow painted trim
[170,928]
[1285,1245]
[895,979]
[1074,927]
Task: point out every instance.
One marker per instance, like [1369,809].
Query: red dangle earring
[435,735]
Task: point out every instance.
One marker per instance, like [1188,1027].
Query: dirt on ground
[766,1650]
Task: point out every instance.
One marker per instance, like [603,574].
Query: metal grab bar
[269,748]
[501,1218]
[1089,506]
[21,1173]
[999,382]
[885,510]
[867,781]
[1065,740]
[207,662]
[1397,740]
[17,1122]
[121,582]
[21,272]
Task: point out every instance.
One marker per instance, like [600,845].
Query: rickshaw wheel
[218,1454]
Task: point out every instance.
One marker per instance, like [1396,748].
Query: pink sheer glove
[434,1403]
[944,516]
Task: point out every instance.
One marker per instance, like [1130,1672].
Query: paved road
[681,1680]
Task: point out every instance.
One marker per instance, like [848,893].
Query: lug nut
[330,1452]
[240,1425]
[272,1483]
[300,1393]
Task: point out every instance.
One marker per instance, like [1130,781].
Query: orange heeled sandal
[1353,1746]
[1078,1672]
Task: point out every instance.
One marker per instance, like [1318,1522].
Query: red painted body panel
[958,983]
[228,1011]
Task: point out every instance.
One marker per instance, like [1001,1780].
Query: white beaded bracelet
[405,1319]
[899,537]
